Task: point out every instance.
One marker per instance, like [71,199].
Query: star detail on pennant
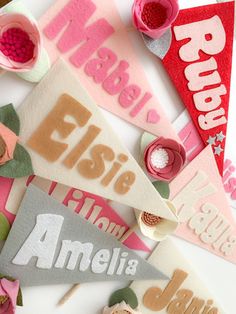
[218,150]
[211,140]
[220,137]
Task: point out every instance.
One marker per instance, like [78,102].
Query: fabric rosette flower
[20,42]
[154,227]
[10,295]
[164,158]
[154,17]
[121,308]
[8,140]
[15,162]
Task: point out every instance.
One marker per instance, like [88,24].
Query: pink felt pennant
[203,209]
[193,145]
[92,38]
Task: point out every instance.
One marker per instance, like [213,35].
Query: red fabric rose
[164,158]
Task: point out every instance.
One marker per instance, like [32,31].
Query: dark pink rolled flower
[164,158]
[154,17]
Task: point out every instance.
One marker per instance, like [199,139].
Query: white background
[219,275]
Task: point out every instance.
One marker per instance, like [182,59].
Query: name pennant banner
[194,145]
[84,153]
[49,245]
[93,208]
[90,35]
[204,213]
[199,62]
[183,293]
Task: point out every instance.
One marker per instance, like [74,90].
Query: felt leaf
[20,166]
[126,295]
[159,47]
[146,139]
[4,227]
[19,300]
[9,118]
[163,188]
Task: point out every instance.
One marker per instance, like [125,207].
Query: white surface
[219,275]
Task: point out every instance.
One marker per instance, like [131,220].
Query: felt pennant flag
[93,208]
[198,59]
[90,35]
[234,16]
[48,245]
[84,151]
[203,209]
[194,145]
[183,293]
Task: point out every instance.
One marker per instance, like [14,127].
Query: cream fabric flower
[121,308]
[154,227]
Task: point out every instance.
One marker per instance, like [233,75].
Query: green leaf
[9,117]
[163,188]
[19,300]
[4,227]
[126,295]
[20,166]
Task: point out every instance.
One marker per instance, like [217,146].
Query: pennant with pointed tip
[93,208]
[199,62]
[49,245]
[98,49]
[183,293]
[204,213]
[70,142]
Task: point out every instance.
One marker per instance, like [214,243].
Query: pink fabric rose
[164,158]
[8,140]
[154,17]
[8,296]
[20,42]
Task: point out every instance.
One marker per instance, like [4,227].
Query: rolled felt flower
[121,308]
[8,140]
[20,42]
[154,227]
[164,158]
[154,17]
[8,295]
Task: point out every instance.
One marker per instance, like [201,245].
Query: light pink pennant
[90,35]
[203,209]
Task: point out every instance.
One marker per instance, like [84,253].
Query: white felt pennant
[48,244]
[71,143]
[184,293]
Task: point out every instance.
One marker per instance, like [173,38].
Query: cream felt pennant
[71,143]
[48,244]
[202,206]
[183,293]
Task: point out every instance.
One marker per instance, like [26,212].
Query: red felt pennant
[199,62]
